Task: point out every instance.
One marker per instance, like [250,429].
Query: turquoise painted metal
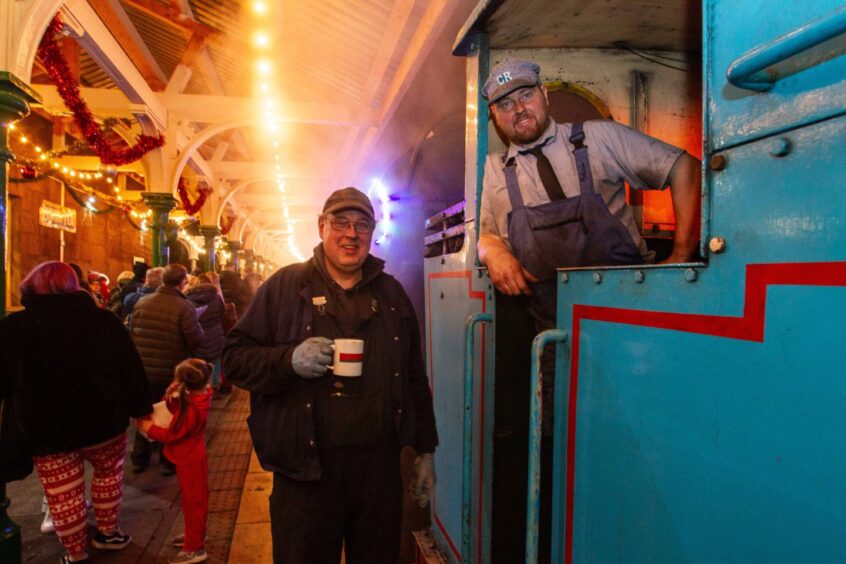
[535,410]
[699,411]
[456,291]
[797,52]
[698,406]
[757,69]
[467,446]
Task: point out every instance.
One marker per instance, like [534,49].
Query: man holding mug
[335,454]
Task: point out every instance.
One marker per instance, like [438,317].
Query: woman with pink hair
[73,378]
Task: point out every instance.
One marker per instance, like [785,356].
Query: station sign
[57,217]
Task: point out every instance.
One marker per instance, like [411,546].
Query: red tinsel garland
[190,208]
[225,229]
[50,55]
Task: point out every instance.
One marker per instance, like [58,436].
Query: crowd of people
[156,347]
[82,359]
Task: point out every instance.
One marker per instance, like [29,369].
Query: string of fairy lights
[262,41]
[35,161]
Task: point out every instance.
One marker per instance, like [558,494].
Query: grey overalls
[566,232]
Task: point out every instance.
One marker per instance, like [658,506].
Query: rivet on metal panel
[639,276]
[565,277]
[597,277]
[780,147]
[718,162]
[717,245]
[690,275]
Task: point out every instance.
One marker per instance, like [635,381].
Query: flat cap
[508,76]
[349,199]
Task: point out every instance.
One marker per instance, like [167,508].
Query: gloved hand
[423,479]
[311,357]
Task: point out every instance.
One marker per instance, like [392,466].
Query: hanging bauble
[28,172]
[108,170]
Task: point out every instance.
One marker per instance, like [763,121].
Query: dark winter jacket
[116,299]
[257,357]
[211,319]
[72,372]
[235,290]
[165,329]
[131,299]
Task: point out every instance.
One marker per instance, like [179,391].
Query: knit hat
[125,275]
[94,276]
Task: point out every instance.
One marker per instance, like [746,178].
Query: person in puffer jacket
[208,302]
[166,331]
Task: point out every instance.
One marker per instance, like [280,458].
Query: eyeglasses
[342,224]
[524,95]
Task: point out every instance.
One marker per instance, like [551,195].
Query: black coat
[211,320]
[257,357]
[165,329]
[235,290]
[72,372]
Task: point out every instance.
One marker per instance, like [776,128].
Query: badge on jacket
[320,302]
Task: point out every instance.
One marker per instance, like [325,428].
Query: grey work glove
[423,479]
[312,356]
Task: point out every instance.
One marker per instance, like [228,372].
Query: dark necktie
[547,175]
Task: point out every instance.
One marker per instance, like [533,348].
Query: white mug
[348,357]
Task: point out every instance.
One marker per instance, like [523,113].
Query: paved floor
[238,529]
[239,519]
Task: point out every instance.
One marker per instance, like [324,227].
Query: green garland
[85,204]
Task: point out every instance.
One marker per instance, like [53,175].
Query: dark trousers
[142,448]
[356,503]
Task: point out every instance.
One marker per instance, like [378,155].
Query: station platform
[239,522]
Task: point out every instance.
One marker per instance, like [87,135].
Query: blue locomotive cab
[697,405]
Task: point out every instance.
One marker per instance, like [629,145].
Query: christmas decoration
[28,172]
[190,208]
[108,170]
[43,164]
[225,229]
[50,55]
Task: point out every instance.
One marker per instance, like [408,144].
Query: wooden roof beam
[88,28]
[172,16]
[432,23]
[125,35]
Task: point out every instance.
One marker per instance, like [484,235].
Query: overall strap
[510,169]
[580,151]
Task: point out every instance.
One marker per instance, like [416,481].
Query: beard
[527,129]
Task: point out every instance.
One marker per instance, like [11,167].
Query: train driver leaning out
[556,198]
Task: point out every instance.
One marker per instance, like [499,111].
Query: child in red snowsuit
[188,398]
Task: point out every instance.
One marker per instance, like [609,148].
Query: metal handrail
[535,430]
[747,71]
[467,446]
